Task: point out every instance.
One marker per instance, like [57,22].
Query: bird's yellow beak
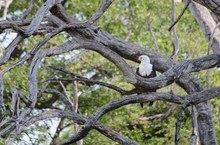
[140,58]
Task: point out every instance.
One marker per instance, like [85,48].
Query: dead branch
[186,101]
[81,120]
[100,11]
[161,116]
[181,14]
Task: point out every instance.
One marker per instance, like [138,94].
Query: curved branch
[188,99]
[161,116]
[112,56]
[94,82]
[100,11]
[213,5]
[116,104]
[31,28]
[62,97]
[79,119]
[32,82]
[179,69]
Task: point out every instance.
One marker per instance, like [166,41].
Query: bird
[146,70]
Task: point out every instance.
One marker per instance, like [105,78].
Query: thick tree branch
[186,100]
[213,5]
[207,24]
[79,119]
[33,86]
[181,68]
[115,50]
[31,28]
[162,64]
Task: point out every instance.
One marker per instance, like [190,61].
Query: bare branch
[62,97]
[76,105]
[194,133]
[210,4]
[31,28]
[207,24]
[2,105]
[181,14]
[89,81]
[112,56]
[176,71]
[30,7]
[81,120]
[33,86]
[174,42]
[152,34]
[102,8]
[161,116]
[186,100]
[179,121]
[5,4]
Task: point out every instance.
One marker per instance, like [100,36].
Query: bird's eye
[140,58]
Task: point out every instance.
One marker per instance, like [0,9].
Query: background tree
[68,75]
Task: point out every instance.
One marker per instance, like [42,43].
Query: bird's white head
[144,58]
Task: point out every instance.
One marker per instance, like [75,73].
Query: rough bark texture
[213,5]
[85,35]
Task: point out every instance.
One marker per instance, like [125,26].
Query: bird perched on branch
[146,70]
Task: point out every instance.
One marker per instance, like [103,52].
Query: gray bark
[85,35]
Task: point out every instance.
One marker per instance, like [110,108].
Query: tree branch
[161,116]
[100,11]
[89,81]
[79,119]
[186,100]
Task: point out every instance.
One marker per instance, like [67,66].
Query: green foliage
[124,19]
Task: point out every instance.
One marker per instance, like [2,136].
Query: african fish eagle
[146,70]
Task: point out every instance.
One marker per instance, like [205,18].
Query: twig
[30,7]
[102,8]
[152,34]
[219,113]
[68,97]
[193,135]
[175,43]
[62,97]
[179,121]
[61,67]
[57,133]
[84,79]
[2,105]
[76,105]
[181,14]
[161,116]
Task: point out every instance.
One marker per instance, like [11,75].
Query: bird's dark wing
[137,71]
[154,74]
